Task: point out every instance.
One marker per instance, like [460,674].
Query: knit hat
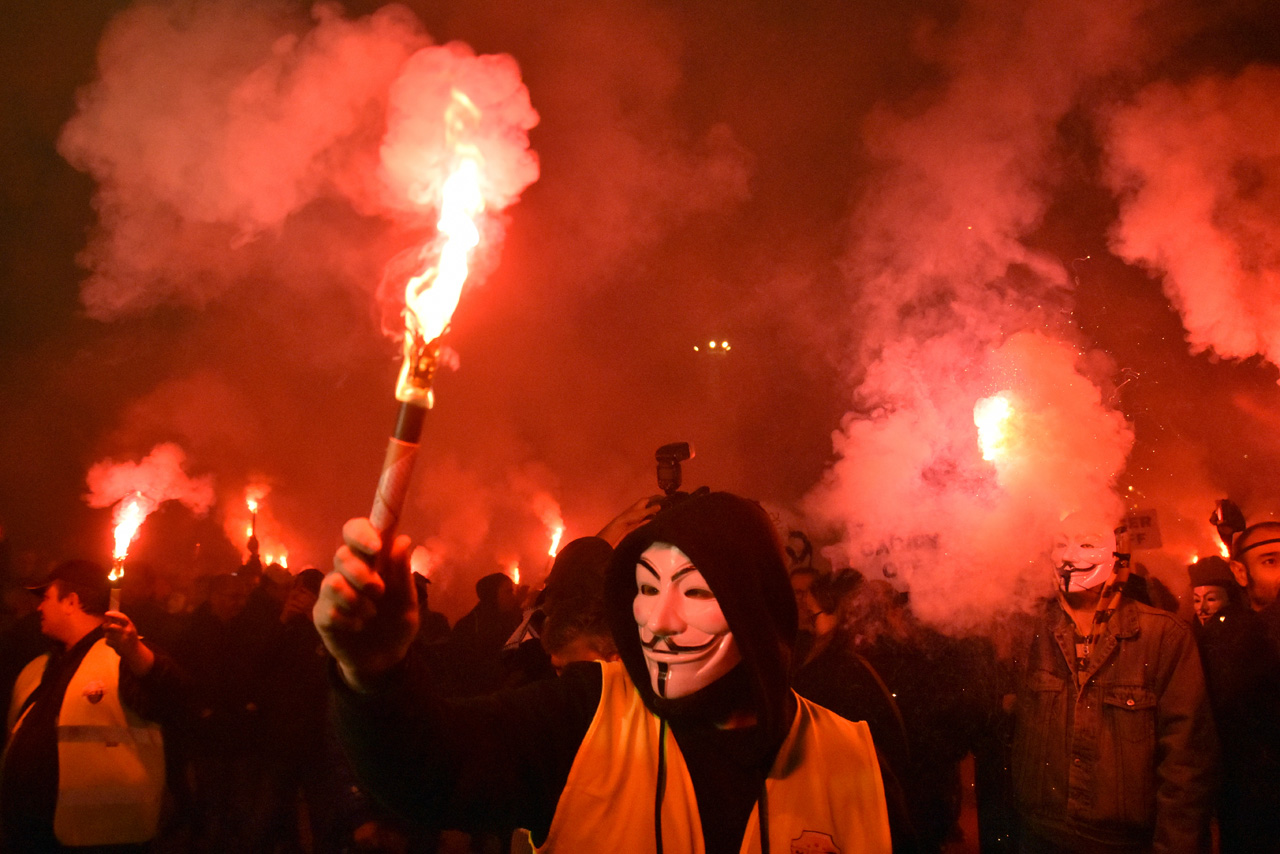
[1211,571]
[578,570]
[733,543]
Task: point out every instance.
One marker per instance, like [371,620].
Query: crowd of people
[686,680]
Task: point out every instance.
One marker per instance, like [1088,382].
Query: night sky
[888,210]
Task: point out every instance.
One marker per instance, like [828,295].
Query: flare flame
[991,416]
[431,297]
[129,516]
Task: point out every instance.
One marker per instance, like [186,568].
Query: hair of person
[487,587]
[829,590]
[1242,544]
[573,618]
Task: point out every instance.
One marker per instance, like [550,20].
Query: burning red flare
[431,297]
[129,516]
[991,416]
[556,534]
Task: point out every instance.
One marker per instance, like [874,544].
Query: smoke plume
[1197,169]
[955,305]
[213,127]
[159,476]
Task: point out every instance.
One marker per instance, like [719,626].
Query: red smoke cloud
[159,477]
[954,305]
[1197,169]
[212,125]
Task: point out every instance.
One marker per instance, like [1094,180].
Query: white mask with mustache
[684,635]
[1083,553]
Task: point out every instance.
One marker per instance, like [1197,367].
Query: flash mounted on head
[669,458]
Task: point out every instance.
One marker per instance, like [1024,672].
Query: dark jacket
[1243,674]
[1127,762]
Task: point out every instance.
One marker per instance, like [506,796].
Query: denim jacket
[1127,761]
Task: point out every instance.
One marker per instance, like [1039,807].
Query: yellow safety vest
[823,795]
[110,761]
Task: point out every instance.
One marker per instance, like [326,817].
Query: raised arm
[493,762]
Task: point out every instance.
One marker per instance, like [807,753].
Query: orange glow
[253,495]
[556,534]
[515,574]
[423,561]
[129,516]
[431,297]
[1223,550]
[991,416]
[281,558]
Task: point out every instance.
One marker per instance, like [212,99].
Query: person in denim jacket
[1114,747]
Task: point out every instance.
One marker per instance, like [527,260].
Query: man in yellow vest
[84,759]
[692,743]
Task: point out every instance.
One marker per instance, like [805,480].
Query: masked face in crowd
[1083,552]
[1208,600]
[684,635]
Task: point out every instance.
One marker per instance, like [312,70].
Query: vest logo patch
[813,842]
[94,691]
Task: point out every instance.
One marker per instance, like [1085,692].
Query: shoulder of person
[1150,617]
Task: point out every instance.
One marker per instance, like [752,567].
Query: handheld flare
[129,516]
[557,533]
[430,299]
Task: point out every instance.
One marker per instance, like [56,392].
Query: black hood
[733,543]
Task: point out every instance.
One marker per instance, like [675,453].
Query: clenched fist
[367,613]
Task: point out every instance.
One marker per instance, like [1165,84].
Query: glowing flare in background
[991,415]
[129,515]
[515,573]
[556,534]
[270,548]
[281,558]
[422,561]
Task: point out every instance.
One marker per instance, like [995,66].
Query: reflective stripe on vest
[111,735]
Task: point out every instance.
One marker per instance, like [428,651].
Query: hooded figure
[691,743]
[701,609]
[732,542]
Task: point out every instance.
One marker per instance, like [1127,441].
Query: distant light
[695,349]
[724,344]
[711,344]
